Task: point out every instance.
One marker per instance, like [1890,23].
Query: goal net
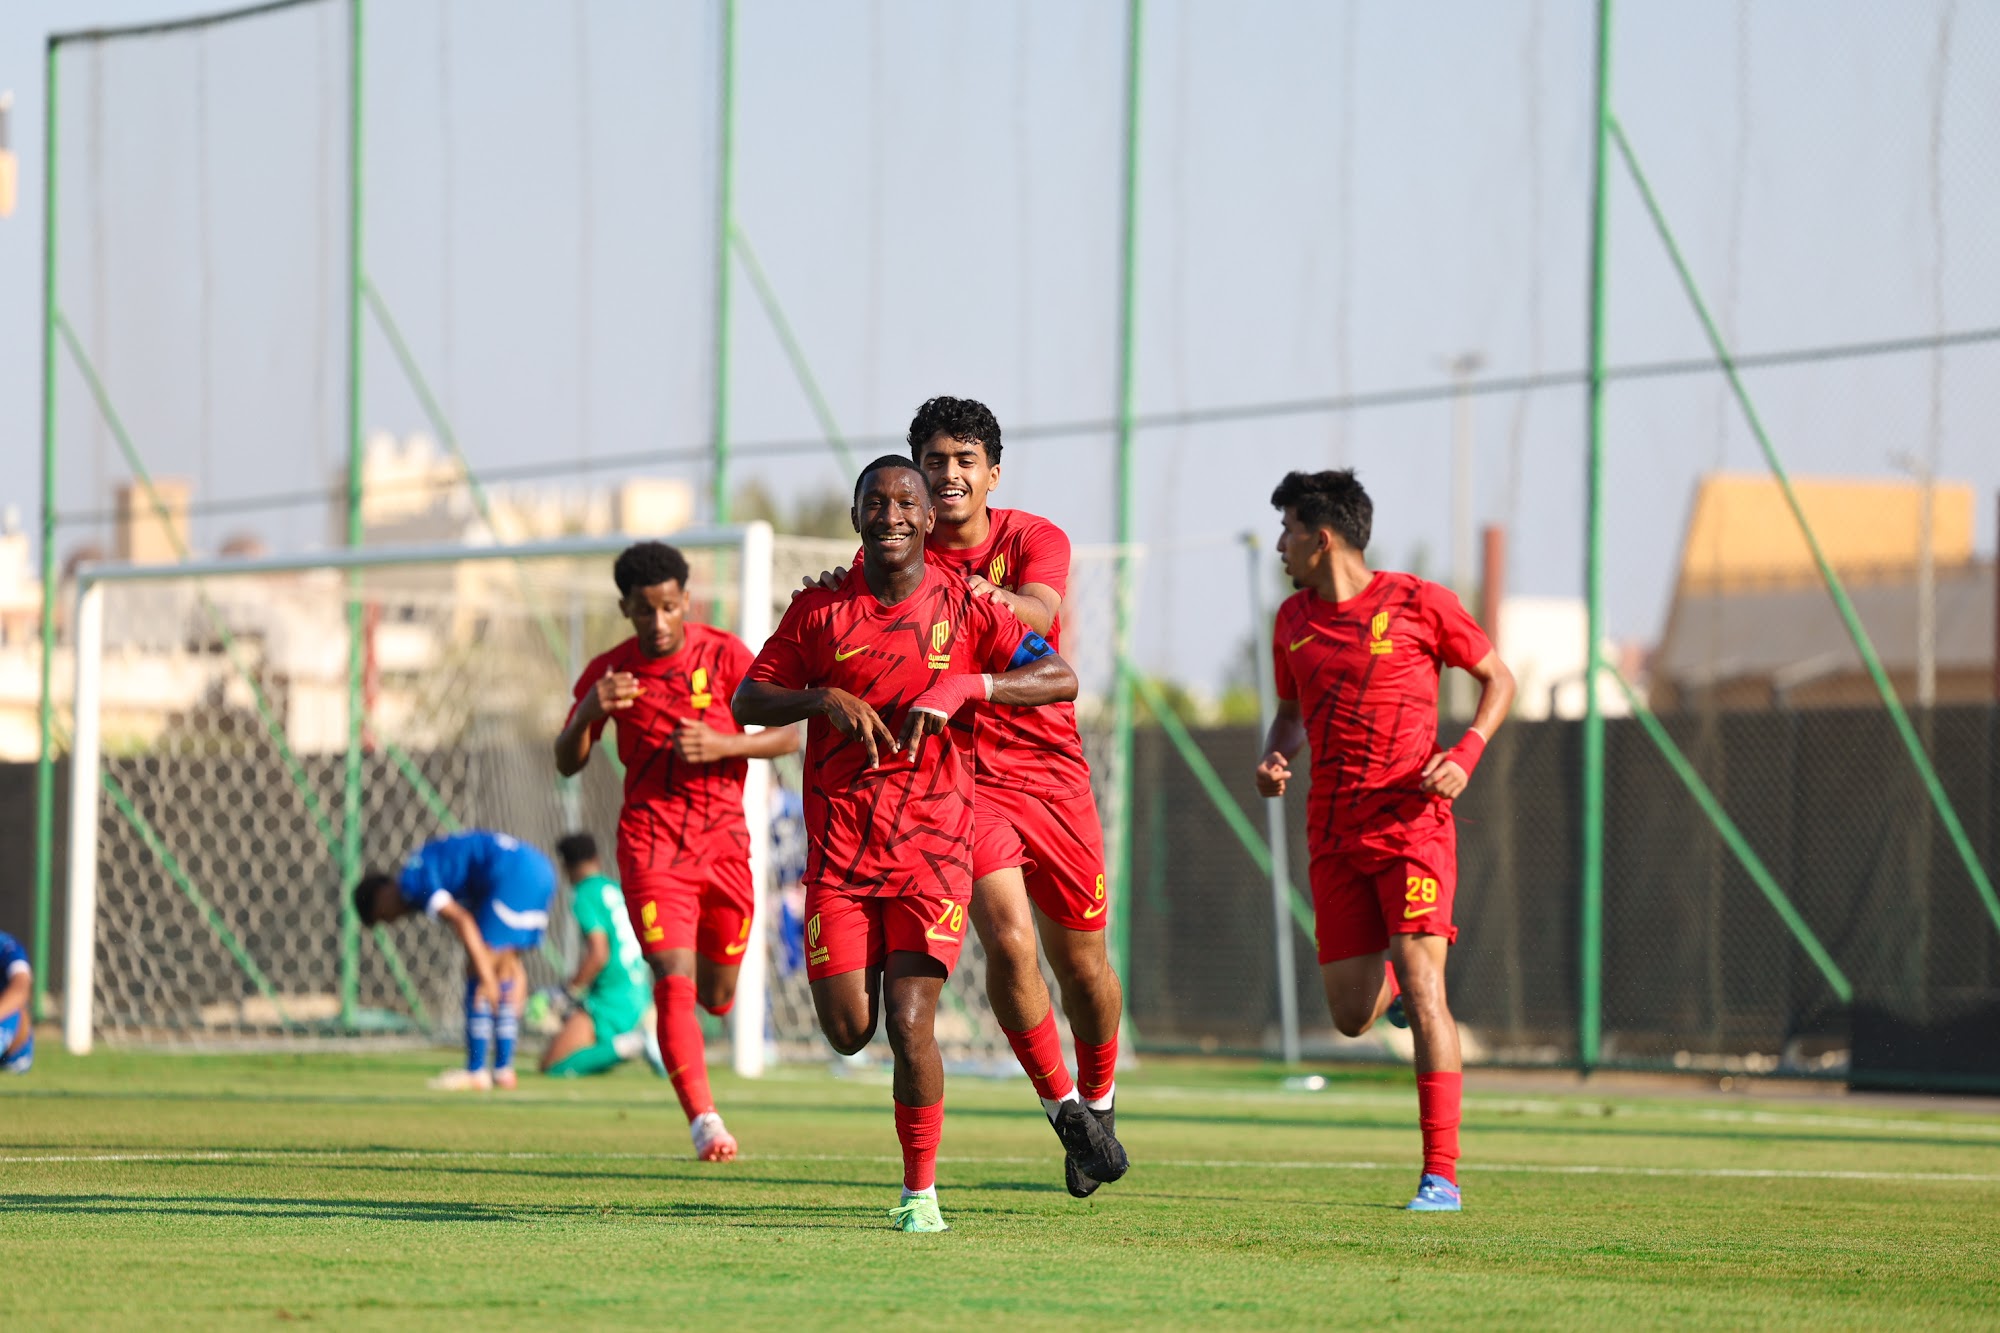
[232,778]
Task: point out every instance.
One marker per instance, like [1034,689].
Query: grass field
[226,1191]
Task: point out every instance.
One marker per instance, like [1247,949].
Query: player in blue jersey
[17,1026]
[493,892]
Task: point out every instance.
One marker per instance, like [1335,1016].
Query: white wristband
[988,678]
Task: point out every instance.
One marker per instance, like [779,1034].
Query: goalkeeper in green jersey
[613,987]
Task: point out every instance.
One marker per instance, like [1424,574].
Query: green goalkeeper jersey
[621,992]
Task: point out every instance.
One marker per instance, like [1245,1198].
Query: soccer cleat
[918,1212]
[1435,1194]
[1094,1153]
[712,1142]
[1394,1014]
[506,1079]
[1082,1186]
[462,1080]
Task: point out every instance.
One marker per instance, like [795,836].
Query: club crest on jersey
[648,916]
[815,951]
[698,695]
[1376,630]
[998,569]
[940,640]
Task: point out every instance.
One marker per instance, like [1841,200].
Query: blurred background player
[1357,656]
[612,987]
[17,992]
[493,891]
[877,666]
[683,843]
[1037,844]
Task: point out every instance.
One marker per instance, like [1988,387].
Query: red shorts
[1364,893]
[1057,842]
[698,902]
[847,931]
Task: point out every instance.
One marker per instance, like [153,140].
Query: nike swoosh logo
[1409,915]
[1095,912]
[731,950]
[1302,643]
[946,938]
[839,656]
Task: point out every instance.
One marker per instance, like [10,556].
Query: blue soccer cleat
[1394,1015]
[1435,1194]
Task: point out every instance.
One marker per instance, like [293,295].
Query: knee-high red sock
[1096,1070]
[1040,1053]
[680,1044]
[918,1129]
[1437,1115]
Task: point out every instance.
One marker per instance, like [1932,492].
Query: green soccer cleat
[918,1212]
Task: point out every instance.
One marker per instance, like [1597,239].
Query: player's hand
[613,693]
[985,587]
[487,988]
[1272,775]
[699,743]
[919,723]
[857,720]
[829,580]
[1443,778]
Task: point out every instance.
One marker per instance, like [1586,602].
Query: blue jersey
[505,884]
[13,958]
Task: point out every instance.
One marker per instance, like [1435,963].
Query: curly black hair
[576,848]
[364,895]
[964,419]
[1333,500]
[646,563]
[896,462]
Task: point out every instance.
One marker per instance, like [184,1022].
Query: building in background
[1752,625]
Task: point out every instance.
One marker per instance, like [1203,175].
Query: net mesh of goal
[212,740]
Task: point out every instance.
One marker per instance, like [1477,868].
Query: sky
[1333,199]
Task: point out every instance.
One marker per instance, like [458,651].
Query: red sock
[1096,1068]
[918,1129]
[1437,1114]
[680,1044]
[1040,1053]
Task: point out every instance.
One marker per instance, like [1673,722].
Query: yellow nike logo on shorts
[731,950]
[947,938]
[1411,914]
[839,656]
[1095,912]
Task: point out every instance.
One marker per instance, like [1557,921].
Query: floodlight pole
[45,760]
[1123,610]
[351,791]
[725,221]
[1590,916]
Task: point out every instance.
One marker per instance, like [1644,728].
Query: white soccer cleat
[712,1141]
[506,1079]
[462,1080]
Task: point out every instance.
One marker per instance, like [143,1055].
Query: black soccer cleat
[1093,1155]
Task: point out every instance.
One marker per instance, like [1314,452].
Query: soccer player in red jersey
[1358,654]
[882,666]
[683,845]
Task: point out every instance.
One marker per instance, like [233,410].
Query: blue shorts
[22,1060]
[516,913]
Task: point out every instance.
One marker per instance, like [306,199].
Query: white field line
[1202,1164]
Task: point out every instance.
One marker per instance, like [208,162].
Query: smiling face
[659,617]
[893,514]
[961,477]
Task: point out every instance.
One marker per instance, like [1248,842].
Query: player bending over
[17,992]
[878,666]
[612,988]
[1037,844]
[493,892]
[683,844]
[1358,654]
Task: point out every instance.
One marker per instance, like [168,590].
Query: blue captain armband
[1032,649]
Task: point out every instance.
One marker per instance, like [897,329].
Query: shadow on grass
[379,1210]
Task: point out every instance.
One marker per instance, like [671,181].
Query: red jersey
[900,828]
[1365,675]
[1028,749]
[671,805]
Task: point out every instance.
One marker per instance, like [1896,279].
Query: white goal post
[225,638]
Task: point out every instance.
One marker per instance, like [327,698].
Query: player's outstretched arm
[761,704]
[1286,738]
[1448,772]
[596,954]
[699,743]
[1045,680]
[611,695]
[476,953]
[1035,605]
[14,996]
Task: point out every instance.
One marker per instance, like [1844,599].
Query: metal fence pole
[351,793]
[45,760]
[1274,819]
[724,220]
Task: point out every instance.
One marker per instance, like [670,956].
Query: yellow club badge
[940,641]
[698,695]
